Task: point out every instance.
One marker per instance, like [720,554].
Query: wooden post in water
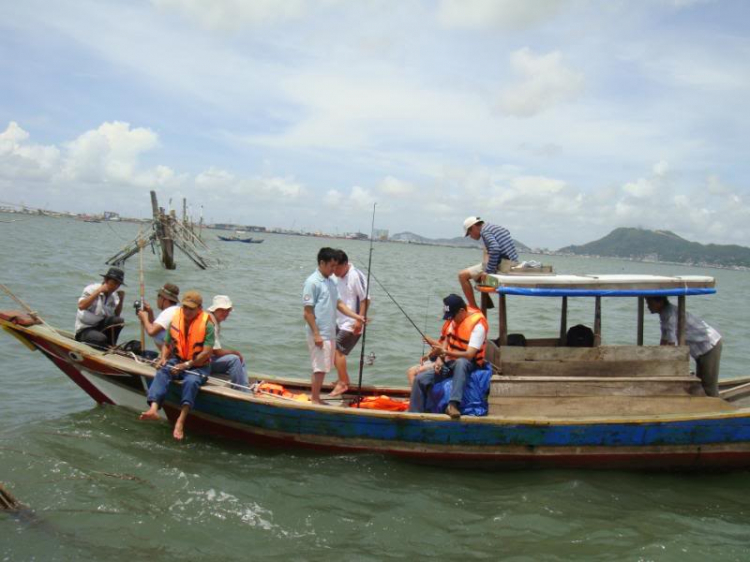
[7,501]
[681,320]
[563,321]
[597,321]
[639,336]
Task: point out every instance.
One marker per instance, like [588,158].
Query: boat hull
[718,440]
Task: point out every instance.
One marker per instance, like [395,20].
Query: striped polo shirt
[499,246]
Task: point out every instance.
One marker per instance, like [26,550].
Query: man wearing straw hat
[98,321]
[167,299]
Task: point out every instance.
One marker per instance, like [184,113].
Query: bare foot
[338,390]
[179,432]
[318,402]
[149,415]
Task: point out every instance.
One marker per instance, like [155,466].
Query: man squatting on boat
[352,286]
[458,353]
[98,320]
[185,356]
[498,246]
[167,299]
[320,299]
[704,341]
[226,362]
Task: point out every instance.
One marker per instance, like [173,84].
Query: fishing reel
[138,306]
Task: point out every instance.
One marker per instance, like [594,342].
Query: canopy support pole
[641,300]
[681,320]
[598,321]
[502,320]
[563,321]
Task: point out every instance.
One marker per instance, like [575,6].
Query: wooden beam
[639,336]
[502,320]
[597,321]
[681,320]
[564,320]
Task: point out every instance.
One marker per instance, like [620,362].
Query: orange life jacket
[382,403]
[459,339]
[188,341]
[279,390]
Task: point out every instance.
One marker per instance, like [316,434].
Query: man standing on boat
[458,355]
[167,299]
[320,299]
[704,342]
[186,356]
[226,361]
[498,246]
[352,287]
[98,320]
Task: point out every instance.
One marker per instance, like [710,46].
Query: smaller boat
[238,239]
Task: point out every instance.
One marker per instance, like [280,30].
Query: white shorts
[321,357]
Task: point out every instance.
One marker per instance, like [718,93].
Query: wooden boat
[550,405]
[238,239]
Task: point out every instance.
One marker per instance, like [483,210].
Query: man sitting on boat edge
[167,299]
[98,320]
[186,356]
[704,341]
[226,361]
[458,355]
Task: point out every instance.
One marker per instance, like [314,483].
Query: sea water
[99,484]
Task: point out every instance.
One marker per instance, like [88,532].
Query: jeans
[191,383]
[459,369]
[104,334]
[233,366]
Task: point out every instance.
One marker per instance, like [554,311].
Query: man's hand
[121,293]
[160,362]
[142,315]
[357,327]
[481,277]
[180,367]
[318,339]
[438,365]
[146,306]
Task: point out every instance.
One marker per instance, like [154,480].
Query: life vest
[382,403]
[188,341]
[279,390]
[458,340]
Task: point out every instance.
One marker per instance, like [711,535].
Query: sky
[558,119]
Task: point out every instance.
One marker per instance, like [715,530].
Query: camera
[138,306]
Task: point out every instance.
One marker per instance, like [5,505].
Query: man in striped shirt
[498,246]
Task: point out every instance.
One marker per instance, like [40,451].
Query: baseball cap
[451,305]
[469,222]
[192,299]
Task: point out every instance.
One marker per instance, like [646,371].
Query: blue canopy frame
[543,292]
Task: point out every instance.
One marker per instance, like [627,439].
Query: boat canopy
[553,285]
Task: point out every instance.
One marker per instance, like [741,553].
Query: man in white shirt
[98,321]
[228,362]
[167,299]
[352,287]
[704,342]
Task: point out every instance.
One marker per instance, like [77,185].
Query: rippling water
[101,485]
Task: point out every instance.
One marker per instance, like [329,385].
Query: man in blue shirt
[320,299]
[498,246]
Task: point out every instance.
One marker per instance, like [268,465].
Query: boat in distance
[551,405]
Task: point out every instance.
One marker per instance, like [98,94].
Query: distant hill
[662,245]
[457,241]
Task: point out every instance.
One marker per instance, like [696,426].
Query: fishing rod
[421,333]
[367,297]
[142,287]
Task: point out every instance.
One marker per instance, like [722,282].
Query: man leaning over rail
[186,356]
[704,342]
[457,355]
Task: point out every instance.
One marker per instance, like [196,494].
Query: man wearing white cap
[498,246]
[227,362]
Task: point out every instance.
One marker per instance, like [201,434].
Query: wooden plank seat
[595,371]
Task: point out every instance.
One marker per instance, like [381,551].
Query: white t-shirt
[352,292]
[101,308]
[164,320]
[478,334]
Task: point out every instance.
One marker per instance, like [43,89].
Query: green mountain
[662,245]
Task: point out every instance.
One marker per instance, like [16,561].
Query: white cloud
[396,188]
[545,82]
[505,14]
[20,158]
[235,14]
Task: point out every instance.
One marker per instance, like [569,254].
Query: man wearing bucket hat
[498,247]
[98,321]
[167,299]
[227,362]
